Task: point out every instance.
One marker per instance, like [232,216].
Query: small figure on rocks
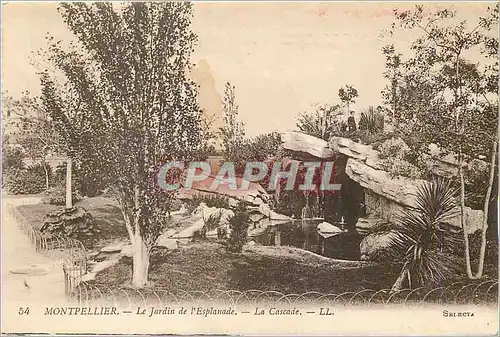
[351,122]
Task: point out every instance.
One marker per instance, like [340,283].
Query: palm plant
[417,237]
[322,123]
[371,121]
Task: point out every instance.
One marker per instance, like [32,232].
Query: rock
[256,217]
[374,246]
[251,243]
[326,227]
[400,190]
[233,202]
[114,248]
[100,266]
[364,225]
[167,243]
[266,211]
[212,186]
[304,143]
[126,251]
[473,220]
[350,148]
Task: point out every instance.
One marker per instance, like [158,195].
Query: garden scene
[415,214]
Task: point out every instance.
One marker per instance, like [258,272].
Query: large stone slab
[301,142]
[400,190]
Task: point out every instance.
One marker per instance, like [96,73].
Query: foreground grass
[207,266]
[105,211]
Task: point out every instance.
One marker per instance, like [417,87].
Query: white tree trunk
[47,186]
[140,257]
[468,268]
[69,201]
[484,228]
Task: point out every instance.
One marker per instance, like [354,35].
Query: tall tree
[121,94]
[232,131]
[392,73]
[348,95]
[455,111]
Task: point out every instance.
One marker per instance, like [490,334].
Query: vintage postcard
[250,168]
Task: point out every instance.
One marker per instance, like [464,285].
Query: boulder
[374,246]
[304,143]
[266,211]
[326,227]
[213,186]
[114,248]
[364,225]
[167,243]
[400,190]
[350,148]
[328,230]
[473,220]
[126,251]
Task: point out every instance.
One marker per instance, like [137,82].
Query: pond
[303,234]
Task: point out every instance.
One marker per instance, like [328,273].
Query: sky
[282,57]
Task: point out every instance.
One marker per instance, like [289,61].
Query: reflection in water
[303,234]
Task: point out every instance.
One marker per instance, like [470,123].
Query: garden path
[29,279]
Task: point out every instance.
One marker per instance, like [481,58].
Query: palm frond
[416,238]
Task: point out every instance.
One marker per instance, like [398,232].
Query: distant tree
[323,122]
[12,156]
[33,130]
[348,95]
[121,96]
[392,73]
[232,131]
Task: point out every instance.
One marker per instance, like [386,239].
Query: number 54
[24,311]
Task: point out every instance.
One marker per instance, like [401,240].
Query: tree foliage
[232,131]
[126,105]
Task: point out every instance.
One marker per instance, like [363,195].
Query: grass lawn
[105,212]
[207,266]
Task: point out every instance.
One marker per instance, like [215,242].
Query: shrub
[57,196]
[238,225]
[211,200]
[211,223]
[394,148]
[394,153]
[26,181]
[75,223]
[371,122]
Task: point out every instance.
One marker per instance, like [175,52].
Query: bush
[211,200]
[210,224]
[57,196]
[26,181]
[394,148]
[394,153]
[371,121]
[75,223]
[238,225]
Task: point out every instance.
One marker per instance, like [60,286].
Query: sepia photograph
[250,168]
